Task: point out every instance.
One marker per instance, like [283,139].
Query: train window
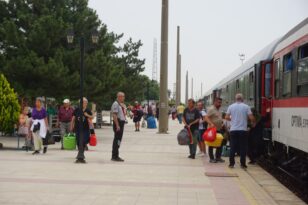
[303,51]
[288,62]
[286,85]
[268,77]
[287,74]
[277,77]
[302,75]
[237,84]
[251,77]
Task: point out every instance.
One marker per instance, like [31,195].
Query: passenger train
[276,78]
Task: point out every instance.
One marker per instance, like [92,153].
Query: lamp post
[163,91]
[70,39]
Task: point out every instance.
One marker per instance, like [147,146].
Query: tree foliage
[9,107]
[37,60]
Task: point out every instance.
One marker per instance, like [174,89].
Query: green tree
[36,59]
[9,107]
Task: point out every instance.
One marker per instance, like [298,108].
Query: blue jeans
[180,115]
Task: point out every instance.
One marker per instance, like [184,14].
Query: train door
[266,88]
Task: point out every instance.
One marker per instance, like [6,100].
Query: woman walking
[75,125]
[39,126]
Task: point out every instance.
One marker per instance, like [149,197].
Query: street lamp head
[94,36]
[70,36]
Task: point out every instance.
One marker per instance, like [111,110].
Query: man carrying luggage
[191,118]
[214,117]
[118,114]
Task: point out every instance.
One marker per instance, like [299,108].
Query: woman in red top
[138,113]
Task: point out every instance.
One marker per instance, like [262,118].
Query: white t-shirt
[117,109]
[239,116]
[201,123]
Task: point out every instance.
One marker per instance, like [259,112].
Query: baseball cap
[66,101]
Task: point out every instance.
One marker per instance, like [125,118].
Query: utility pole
[186,88]
[178,70]
[163,91]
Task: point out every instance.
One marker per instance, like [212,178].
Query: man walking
[238,113]
[118,114]
[65,116]
[191,121]
[214,117]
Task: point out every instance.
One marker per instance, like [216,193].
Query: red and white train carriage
[277,78]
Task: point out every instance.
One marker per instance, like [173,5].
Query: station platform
[156,171]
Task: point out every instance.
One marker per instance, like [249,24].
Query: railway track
[288,179]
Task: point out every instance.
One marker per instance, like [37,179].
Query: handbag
[93,140]
[23,130]
[210,134]
[49,139]
[183,137]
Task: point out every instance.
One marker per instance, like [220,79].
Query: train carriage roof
[294,34]
[265,54]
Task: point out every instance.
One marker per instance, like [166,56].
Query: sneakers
[117,159]
[213,161]
[36,152]
[191,156]
[44,150]
[231,166]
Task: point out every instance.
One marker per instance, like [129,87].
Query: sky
[213,32]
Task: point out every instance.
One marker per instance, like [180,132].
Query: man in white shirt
[118,114]
[238,113]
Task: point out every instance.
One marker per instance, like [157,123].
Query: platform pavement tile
[152,161]
[292,203]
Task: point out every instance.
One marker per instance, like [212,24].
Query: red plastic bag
[210,134]
[93,140]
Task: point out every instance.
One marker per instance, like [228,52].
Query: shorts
[200,135]
[137,118]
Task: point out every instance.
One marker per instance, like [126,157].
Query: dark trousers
[217,154]
[238,139]
[193,147]
[117,138]
[218,150]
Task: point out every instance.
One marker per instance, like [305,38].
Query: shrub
[9,106]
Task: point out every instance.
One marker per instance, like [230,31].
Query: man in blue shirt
[238,113]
